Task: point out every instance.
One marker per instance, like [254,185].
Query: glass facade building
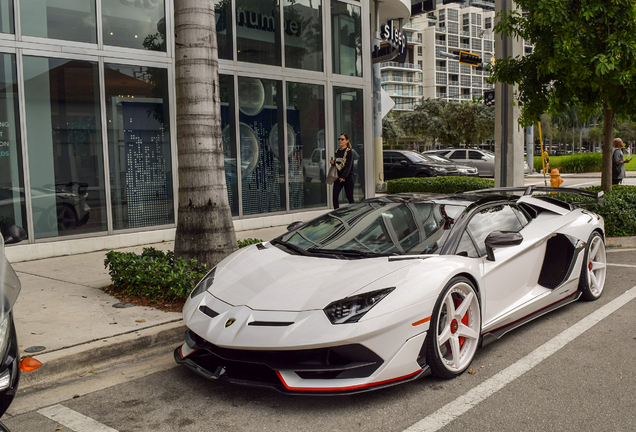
[87,110]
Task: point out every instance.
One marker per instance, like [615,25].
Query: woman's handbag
[332,175]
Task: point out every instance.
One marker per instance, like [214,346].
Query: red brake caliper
[464,321]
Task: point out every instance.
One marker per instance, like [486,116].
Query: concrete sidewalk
[62,308]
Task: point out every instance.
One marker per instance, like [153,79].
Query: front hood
[271,279]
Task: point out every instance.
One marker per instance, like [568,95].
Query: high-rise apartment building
[428,72]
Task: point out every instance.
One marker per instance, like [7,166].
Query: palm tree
[205,230]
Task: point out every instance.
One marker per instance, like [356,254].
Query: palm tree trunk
[205,231]
[608,138]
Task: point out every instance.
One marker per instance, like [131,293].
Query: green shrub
[248,241]
[438,184]
[577,163]
[618,209]
[154,274]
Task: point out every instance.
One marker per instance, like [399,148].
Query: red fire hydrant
[555,178]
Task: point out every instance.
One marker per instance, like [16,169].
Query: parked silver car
[462,170]
[315,166]
[484,161]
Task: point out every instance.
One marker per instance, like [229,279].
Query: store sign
[258,21]
[4,145]
[394,36]
[397,42]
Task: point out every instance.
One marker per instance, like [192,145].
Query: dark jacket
[344,162]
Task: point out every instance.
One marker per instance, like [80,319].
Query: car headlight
[4,332]
[439,169]
[351,309]
[204,284]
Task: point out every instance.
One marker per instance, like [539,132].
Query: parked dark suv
[404,163]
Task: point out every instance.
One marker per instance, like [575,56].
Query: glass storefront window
[261,142]
[6,16]
[65,146]
[134,23]
[303,34]
[140,162]
[306,146]
[223,17]
[348,114]
[12,209]
[228,120]
[346,39]
[257,35]
[59,19]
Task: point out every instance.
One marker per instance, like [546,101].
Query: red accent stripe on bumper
[348,388]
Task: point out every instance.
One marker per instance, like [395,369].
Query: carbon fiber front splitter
[219,373]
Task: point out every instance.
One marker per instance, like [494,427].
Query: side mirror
[499,239]
[13,234]
[295,225]
[403,163]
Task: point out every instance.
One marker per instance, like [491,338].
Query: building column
[509,135]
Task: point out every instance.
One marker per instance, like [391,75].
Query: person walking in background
[618,163]
[344,165]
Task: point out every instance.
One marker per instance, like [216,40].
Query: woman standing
[344,165]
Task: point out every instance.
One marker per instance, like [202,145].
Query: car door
[402,166]
[509,282]
[388,166]
[459,157]
[484,164]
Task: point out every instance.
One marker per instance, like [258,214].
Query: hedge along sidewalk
[438,184]
[618,208]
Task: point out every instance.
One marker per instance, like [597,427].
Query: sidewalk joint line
[53,279]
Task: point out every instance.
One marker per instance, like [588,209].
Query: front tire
[593,271]
[455,329]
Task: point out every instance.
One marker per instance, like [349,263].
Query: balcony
[464,46]
[396,65]
[440,29]
[412,40]
[441,95]
[400,79]
[441,68]
[402,93]
[440,42]
[411,26]
[466,97]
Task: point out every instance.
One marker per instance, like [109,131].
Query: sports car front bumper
[344,369]
[303,352]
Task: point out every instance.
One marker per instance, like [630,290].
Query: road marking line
[462,404]
[621,265]
[73,420]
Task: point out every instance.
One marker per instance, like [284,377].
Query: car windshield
[379,227]
[438,159]
[415,157]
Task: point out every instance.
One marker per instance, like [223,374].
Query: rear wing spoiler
[530,190]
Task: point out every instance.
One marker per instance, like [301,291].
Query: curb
[81,359]
[620,242]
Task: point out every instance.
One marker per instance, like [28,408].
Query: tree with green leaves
[584,54]
[391,129]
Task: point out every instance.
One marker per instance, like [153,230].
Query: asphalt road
[582,377]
